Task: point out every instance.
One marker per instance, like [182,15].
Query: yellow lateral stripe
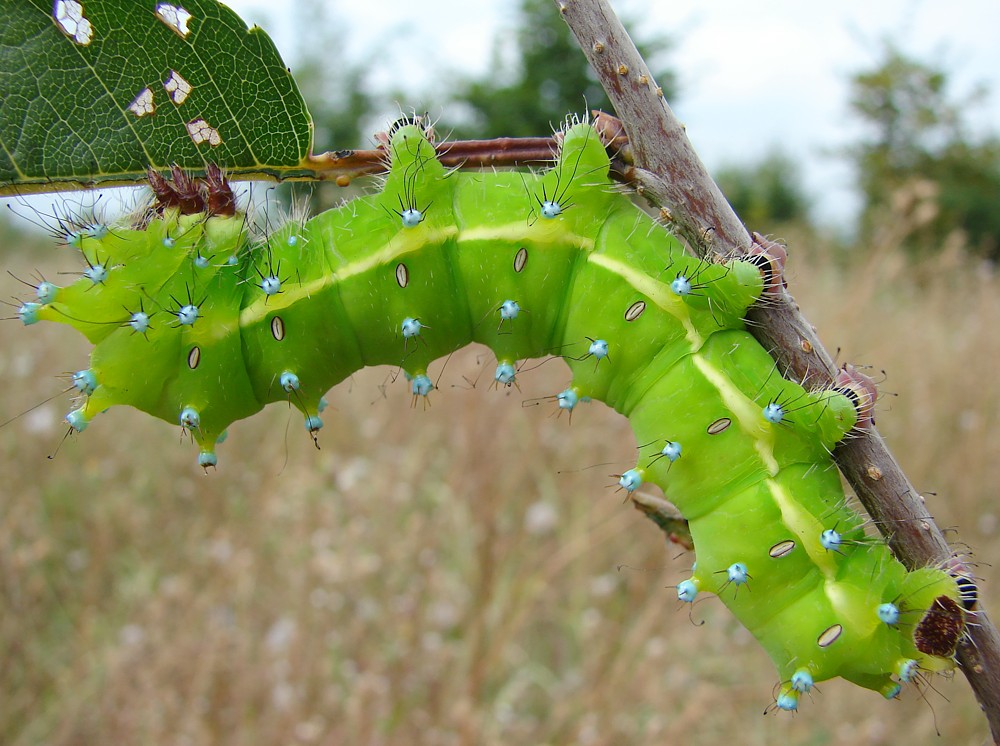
[800,521]
[805,525]
[410,240]
[402,243]
[655,290]
[541,231]
[747,413]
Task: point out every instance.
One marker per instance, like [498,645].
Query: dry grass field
[461,574]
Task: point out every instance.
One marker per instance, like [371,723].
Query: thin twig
[669,173]
[338,166]
[343,165]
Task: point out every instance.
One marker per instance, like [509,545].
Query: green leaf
[97,91]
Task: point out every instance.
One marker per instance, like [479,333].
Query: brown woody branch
[669,173]
[342,166]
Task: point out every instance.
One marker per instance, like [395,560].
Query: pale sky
[752,75]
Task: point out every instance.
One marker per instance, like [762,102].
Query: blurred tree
[338,96]
[767,192]
[537,76]
[918,161]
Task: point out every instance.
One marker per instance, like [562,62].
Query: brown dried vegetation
[464,574]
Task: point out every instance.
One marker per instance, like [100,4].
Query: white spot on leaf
[175,18]
[69,16]
[177,88]
[143,103]
[201,131]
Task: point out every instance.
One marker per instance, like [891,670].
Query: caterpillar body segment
[532,265]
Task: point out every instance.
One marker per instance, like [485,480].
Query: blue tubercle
[207,459]
[139,321]
[672,450]
[270,285]
[788,701]
[77,420]
[96,273]
[314,423]
[686,591]
[509,310]
[631,480]
[28,313]
[831,540]
[46,292]
[737,573]
[888,614]
[774,413]
[681,286]
[85,381]
[411,217]
[421,385]
[289,381]
[598,348]
[187,314]
[907,669]
[567,399]
[551,209]
[505,373]
[411,327]
[802,681]
[189,418]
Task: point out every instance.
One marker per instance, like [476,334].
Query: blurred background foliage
[530,92]
[916,157]
[919,155]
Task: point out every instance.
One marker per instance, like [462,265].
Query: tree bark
[669,174]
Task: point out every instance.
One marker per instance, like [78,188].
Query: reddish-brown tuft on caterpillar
[941,628]
[190,196]
[218,195]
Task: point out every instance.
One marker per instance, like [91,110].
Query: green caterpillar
[196,323]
